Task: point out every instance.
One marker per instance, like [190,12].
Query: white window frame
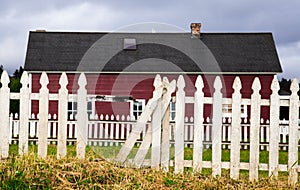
[227,110]
[73,111]
[132,114]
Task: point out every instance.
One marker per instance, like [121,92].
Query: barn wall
[141,87]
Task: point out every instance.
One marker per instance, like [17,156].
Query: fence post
[217,128]
[62,116]
[81,117]
[179,126]
[254,130]
[198,125]
[4,115]
[293,133]
[156,135]
[43,116]
[274,128]
[24,114]
[235,130]
[165,142]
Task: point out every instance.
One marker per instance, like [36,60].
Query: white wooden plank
[122,127]
[179,126]
[14,95]
[293,133]
[111,131]
[43,116]
[62,117]
[169,88]
[274,129]
[4,115]
[82,117]
[165,142]
[156,135]
[186,131]
[189,100]
[254,130]
[106,130]
[236,129]
[143,149]
[9,129]
[217,128]
[24,114]
[117,129]
[198,125]
[101,132]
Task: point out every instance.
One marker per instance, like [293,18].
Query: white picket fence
[197,132]
[270,131]
[256,129]
[113,131]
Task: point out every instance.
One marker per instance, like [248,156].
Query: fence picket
[122,127]
[111,131]
[198,126]
[4,115]
[101,133]
[165,142]
[274,129]
[156,133]
[10,129]
[186,131]
[82,117]
[24,113]
[217,128]
[117,129]
[254,130]
[293,133]
[106,130]
[43,116]
[62,116]
[235,129]
[179,126]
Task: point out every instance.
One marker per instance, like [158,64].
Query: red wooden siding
[141,87]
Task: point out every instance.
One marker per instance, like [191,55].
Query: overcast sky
[279,17]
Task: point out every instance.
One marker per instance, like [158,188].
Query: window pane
[172,115]
[89,106]
[74,105]
[137,108]
[70,106]
[140,107]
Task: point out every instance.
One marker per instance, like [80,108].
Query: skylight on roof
[129,43]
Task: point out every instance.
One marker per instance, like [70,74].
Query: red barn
[125,64]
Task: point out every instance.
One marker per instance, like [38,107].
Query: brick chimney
[195,30]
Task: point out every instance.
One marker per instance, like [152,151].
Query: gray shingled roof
[155,52]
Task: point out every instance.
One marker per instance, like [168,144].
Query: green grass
[93,172]
[112,151]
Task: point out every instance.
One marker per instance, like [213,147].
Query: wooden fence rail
[197,132]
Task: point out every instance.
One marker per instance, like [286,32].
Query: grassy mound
[31,172]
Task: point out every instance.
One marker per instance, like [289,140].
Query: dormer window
[129,44]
